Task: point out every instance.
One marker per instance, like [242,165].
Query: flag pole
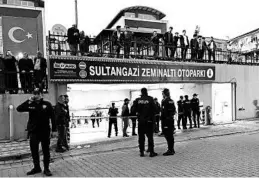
[76,13]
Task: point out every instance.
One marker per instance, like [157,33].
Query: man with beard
[40,112]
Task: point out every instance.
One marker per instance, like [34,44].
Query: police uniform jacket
[39,116]
[168,109]
[180,105]
[113,112]
[145,108]
[195,103]
[187,106]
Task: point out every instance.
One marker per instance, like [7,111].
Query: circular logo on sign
[83,74]
[210,73]
[82,65]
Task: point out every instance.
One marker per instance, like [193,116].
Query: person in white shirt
[212,49]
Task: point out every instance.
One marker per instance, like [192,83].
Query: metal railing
[21,82]
[57,45]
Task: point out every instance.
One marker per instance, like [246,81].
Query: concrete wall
[20,119]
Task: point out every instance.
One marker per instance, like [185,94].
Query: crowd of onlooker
[22,74]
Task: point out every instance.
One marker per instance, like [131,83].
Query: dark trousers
[127,49]
[194,53]
[73,49]
[62,137]
[44,139]
[168,132]
[39,77]
[26,82]
[134,124]
[125,125]
[196,117]
[145,129]
[156,50]
[162,126]
[167,48]
[112,122]
[187,115]
[118,49]
[211,53]
[184,52]
[68,134]
[157,123]
[181,118]
[93,122]
[201,54]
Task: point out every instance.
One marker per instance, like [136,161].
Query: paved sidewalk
[21,153]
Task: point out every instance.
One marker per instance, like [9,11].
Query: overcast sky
[218,18]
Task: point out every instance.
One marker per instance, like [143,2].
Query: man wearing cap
[117,40]
[40,112]
[195,104]
[125,116]
[180,104]
[145,107]
[113,111]
[187,111]
[168,111]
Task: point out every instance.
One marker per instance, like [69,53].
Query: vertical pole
[11,122]
[76,13]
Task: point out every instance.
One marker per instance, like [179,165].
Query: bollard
[11,122]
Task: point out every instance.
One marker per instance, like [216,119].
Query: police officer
[40,112]
[187,111]
[180,104]
[195,103]
[144,107]
[167,115]
[68,120]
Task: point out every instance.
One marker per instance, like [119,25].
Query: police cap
[195,94]
[166,91]
[186,96]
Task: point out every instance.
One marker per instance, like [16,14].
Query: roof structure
[144,8]
[244,35]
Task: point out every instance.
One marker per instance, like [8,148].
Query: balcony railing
[138,49]
[21,82]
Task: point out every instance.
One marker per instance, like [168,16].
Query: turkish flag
[20,35]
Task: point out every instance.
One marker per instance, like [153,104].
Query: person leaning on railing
[40,66]
[212,49]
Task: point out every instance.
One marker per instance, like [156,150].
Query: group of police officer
[146,110]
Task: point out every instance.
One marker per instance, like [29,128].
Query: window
[24,3]
[130,14]
[30,4]
[146,17]
[11,2]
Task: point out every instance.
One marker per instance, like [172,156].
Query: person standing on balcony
[2,75]
[155,45]
[175,44]
[113,111]
[202,47]
[169,42]
[212,49]
[82,46]
[127,39]
[125,116]
[26,70]
[73,39]
[184,42]
[194,47]
[117,40]
[11,68]
[40,66]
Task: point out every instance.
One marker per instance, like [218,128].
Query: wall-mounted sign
[103,70]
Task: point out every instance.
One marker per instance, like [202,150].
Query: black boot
[169,152]
[47,172]
[34,171]
[152,154]
[142,154]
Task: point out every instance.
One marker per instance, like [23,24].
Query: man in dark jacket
[212,49]
[127,39]
[184,42]
[180,104]
[26,70]
[187,111]
[194,47]
[117,38]
[73,39]
[202,47]
[113,111]
[61,120]
[40,66]
[169,42]
[195,104]
[125,116]
[167,115]
[155,45]
[40,112]
[157,116]
[144,107]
